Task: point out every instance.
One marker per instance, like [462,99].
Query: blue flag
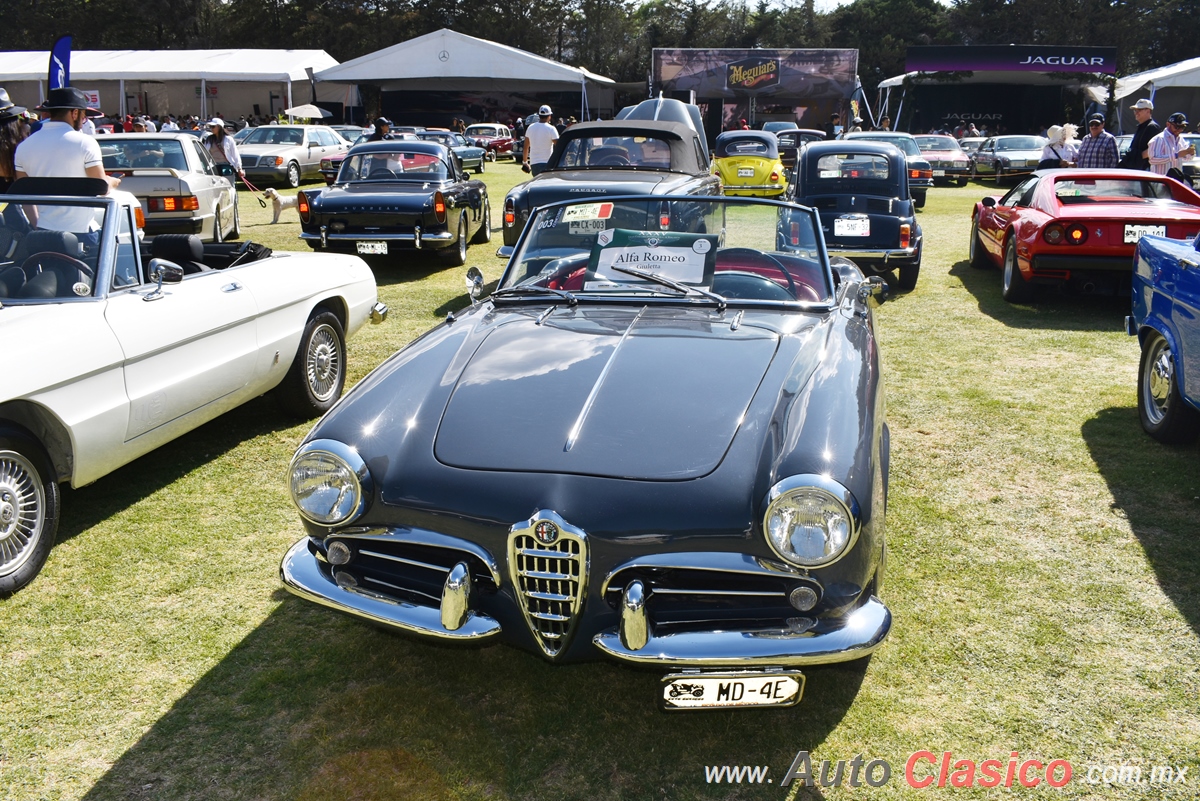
[60,63]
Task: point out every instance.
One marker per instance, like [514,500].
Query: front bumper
[637,636]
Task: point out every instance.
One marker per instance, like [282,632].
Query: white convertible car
[139,342]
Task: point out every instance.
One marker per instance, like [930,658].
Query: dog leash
[253,190]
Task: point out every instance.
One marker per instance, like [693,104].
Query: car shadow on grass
[1051,308]
[316,705]
[88,506]
[1157,488]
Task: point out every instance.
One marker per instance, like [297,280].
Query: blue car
[1166,319]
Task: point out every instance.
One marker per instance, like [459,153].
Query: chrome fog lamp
[810,520]
[327,481]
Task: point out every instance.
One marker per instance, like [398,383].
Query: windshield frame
[661,295]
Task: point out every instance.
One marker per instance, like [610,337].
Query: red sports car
[1078,227]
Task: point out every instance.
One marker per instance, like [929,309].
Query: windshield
[1077,191]
[269,135]
[742,250]
[51,249]
[905,143]
[644,152]
[1020,143]
[484,130]
[391,165]
[135,153]
[937,143]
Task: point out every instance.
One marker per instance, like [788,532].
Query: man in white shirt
[539,142]
[169,125]
[1167,149]
[60,150]
[149,123]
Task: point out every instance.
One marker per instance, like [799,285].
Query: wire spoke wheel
[323,363]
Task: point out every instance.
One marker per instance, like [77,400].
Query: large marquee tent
[200,82]
[448,61]
[1175,87]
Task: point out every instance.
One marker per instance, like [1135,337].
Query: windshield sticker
[588,211]
[680,257]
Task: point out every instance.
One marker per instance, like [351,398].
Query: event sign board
[1012,58]
[783,76]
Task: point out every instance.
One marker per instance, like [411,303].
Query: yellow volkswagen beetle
[747,163]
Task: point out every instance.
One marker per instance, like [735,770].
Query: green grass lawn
[1043,555]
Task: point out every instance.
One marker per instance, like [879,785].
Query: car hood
[645,394]
[574,184]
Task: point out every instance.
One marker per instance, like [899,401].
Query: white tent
[185,81]
[1175,87]
[449,61]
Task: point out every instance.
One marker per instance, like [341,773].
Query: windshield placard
[681,257]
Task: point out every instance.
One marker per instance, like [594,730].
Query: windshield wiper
[534,289]
[678,287]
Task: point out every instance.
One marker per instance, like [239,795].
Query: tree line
[614,37]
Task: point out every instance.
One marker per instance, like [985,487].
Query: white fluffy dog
[280,202]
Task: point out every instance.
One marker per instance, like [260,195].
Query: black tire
[456,254]
[318,373]
[978,254]
[293,174]
[908,274]
[484,234]
[999,176]
[29,509]
[237,223]
[1164,414]
[218,237]
[1015,288]
[962,181]
[479,167]
[919,199]
[490,155]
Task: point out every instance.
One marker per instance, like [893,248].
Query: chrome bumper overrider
[416,237]
[302,575]
[379,312]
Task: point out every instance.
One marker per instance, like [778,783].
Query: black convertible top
[681,138]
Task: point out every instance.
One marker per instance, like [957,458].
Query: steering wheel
[561,270]
[613,161]
[36,262]
[758,255]
[380,174]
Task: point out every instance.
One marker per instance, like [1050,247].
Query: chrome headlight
[810,520]
[329,482]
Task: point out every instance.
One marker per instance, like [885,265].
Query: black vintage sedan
[861,189]
[614,157]
[397,196]
[660,441]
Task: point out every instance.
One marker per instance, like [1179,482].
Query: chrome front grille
[548,563]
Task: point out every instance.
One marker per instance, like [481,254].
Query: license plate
[852,226]
[731,690]
[586,226]
[745,172]
[939,173]
[1135,232]
[372,248]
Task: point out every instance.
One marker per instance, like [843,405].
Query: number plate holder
[745,172]
[732,690]
[852,226]
[372,248]
[1134,232]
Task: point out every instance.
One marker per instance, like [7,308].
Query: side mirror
[474,283]
[164,272]
[988,201]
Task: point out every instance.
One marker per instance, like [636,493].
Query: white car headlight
[327,481]
[810,520]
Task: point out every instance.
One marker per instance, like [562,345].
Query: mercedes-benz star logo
[444,56]
[546,532]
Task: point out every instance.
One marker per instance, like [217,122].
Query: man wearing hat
[1098,150]
[1167,149]
[382,128]
[60,150]
[539,142]
[1136,158]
